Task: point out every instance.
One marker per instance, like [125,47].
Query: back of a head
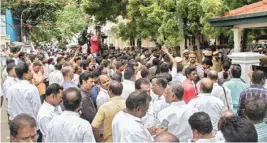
[201,122]
[164,68]
[21,69]
[128,73]
[226,66]
[136,99]
[206,85]
[144,73]
[117,76]
[72,98]
[167,76]
[207,61]
[53,89]
[166,137]
[161,81]
[19,122]
[180,67]
[255,109]
[21,54]
[236,71]
[116,87]
[66,70]
[177,89]
[237,129]
[258,77]
[141,81]
[213,75]
[58,67]
[156,62]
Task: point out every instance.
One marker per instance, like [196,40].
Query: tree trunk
[199,55]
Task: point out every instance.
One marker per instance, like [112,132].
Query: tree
[104,10]
[71,20]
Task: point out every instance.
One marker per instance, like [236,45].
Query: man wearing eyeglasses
[23,129]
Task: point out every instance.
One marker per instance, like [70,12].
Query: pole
[21,23]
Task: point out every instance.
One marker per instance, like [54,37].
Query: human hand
[164,49]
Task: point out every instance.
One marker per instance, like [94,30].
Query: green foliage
[104,10]
[71,20]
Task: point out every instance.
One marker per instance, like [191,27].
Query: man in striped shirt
[255,90]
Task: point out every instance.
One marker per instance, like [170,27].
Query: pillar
[245,60]
[182,47]
[237,39]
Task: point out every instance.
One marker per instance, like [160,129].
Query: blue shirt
[236,86]
[94,93]
[66,84]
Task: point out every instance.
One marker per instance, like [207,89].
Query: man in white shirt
[204,102]
[10,80]
[9,62]
[221,92]
[50,108]
[175,116]
[149,119]
[128,84]
[69,127]
[102,96]
[158,87]
[56,76]
[127,125]
[23,97]
[201,127]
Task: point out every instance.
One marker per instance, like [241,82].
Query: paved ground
[4,125]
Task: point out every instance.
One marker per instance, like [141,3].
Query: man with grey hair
[175,116]
[220,92]
[68,73]
[23,129]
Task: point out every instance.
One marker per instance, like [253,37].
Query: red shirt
[94,45]
[189,90]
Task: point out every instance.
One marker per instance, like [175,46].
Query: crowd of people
[132,95]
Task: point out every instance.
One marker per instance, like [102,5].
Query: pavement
[4,125]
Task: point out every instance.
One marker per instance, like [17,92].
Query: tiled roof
[257,7]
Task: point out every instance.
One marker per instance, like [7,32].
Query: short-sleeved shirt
[106,113]
[94,45]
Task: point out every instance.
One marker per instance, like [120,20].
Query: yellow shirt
[106,113]
[216,65]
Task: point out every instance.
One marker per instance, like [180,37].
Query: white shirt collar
[49,106]
[104,90]
[178,103]
[70,113]
[24,81]
[131,116]
[203,94]
[11,78]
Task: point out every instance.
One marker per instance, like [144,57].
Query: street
[4,125]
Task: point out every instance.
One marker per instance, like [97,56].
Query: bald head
[166,137]
[228,114]
[206,85]
[104,81]
[115,88]
[213,75]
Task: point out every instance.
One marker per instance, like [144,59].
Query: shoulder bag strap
[225,97]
